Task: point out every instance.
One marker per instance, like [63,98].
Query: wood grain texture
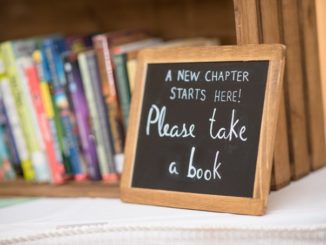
[313,88]
[257,22]
[294,87]
[270,30]
[247,21]
[167,19]
[255,205]
[321,29]
[70,189]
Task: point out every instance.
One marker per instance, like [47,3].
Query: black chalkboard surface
[198,124]
[223,101]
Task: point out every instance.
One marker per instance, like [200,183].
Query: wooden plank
[294,87]
[313,88]
[271,34]
[256,23]
[247,21]
[321,20]
[167,19]
[70,189]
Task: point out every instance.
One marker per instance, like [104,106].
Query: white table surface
[296,215]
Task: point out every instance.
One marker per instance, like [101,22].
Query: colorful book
[10,140]
[80,107]
[56,167]
[6,167]
[48,97]
[103,44]
[12,114]
[12,52]
[53,48]
[52,117]
[6,170]
[37,147]
[99,121]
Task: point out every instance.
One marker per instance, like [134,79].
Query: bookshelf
[167,19]
[69,189]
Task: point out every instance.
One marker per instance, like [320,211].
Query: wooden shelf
[69,189]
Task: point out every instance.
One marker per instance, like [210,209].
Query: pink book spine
[57,168]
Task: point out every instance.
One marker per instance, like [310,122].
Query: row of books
[64,103]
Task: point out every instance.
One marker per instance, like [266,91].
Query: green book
[121,73]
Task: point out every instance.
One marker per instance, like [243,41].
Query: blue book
[53,48]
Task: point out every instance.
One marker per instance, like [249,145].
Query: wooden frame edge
[275,53]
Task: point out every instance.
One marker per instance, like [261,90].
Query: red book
[56,167]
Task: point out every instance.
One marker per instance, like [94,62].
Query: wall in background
[166,18]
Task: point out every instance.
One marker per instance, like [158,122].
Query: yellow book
[15,124]
[13,54]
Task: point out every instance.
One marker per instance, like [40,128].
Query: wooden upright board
[204,127]
[257,22]
[321,30]
[313,88]
[270,32]
[294,87]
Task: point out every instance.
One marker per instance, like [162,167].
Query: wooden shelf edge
[69,189]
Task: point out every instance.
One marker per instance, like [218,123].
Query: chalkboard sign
[202,127]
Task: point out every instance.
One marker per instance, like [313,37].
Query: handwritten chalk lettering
[168,77]
[173,168]
[221,76]
[227,96]
[224,133]
[188,75]
[156,117]
[199,173]
[187,94]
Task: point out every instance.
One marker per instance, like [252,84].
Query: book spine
[52,118]
[32,132]
[123,85]
[9,139]
[62,107]
[6,167]
[131,67]
[17,83]
[103,117]
[6,170]
[82,115]
[97,112]
[52,110]
[35,91]
[17,131]
[50,114]
[109,91]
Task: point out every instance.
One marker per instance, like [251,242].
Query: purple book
[80,108]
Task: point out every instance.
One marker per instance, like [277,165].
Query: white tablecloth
[296,215]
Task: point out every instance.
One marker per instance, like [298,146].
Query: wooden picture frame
[275,54]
